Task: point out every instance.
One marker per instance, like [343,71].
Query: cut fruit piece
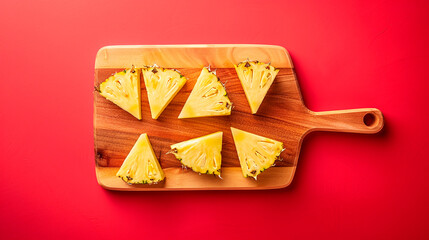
[208,98]
[256,153]
[162,85]
[123,89]
[201,154]
[256,78]
[141,165]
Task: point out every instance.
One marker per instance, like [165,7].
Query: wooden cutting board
[282,116]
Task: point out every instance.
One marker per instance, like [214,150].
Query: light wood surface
[282,116]
[190,56]
[180,179]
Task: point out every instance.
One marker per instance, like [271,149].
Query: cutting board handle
[363,120]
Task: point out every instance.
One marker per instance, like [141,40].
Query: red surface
[347,55]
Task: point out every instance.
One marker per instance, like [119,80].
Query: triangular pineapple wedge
[256,78]
[208,98]
[141,165]
[256,153]
[201,154]
[123,89]
[162,85]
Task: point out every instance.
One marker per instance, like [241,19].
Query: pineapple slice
[256,78]
[256,153]
[141,165]
[201,154]
[208,98]
[123,89]
[162,85]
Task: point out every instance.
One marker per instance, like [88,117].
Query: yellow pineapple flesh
[208,98]
[141,165]
[256,78]
[202,155]
[256,153]
[123,89]
[162,85]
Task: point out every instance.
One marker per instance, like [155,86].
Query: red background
[348,54]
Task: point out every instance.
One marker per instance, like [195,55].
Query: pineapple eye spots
[213,91]
[156,78]
[258,154]
[108,90]
[266,79]
[246,161]
[227,105]
[220,106]
[214,163]
[119,85]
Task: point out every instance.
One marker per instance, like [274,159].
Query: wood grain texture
[190,56]
[282,116]
[179,179]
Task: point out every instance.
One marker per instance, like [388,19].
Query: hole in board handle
[369,119]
